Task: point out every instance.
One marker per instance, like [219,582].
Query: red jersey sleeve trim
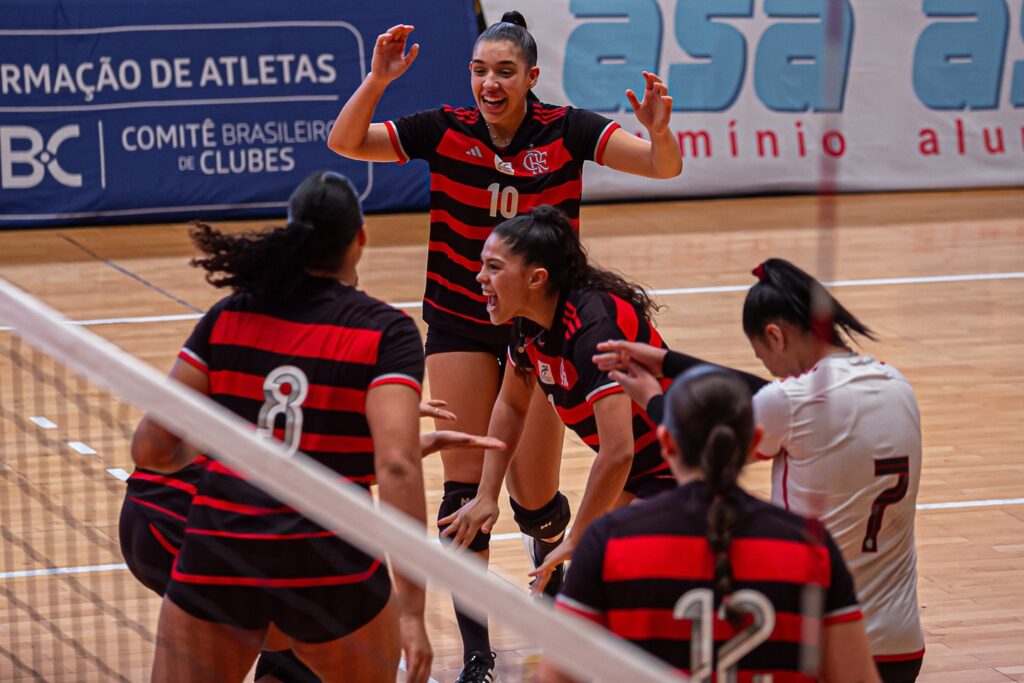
[602,142]
[193,359]
[396,143]
[844,616]
[396,378]
[761,456]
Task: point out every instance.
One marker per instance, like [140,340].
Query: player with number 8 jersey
[319,366]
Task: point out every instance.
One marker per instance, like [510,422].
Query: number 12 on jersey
[697,606]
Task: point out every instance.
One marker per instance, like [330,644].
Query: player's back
[300,373]
[852,458]
[646,573]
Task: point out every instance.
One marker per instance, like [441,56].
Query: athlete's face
[508,282]
[501,80]
[775,349]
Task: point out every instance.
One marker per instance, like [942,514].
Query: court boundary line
[679,291]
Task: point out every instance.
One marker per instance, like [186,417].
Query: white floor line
[42,422]
[680,291]
[63,570]
[82,448]
[118,473]
[957,505]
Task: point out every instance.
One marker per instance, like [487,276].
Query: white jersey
[845,443]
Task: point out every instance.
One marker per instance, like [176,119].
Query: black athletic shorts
[651,485]
[442,341]
[148,553]
[213,582]
[905,671]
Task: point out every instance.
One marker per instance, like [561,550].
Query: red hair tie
[759,272]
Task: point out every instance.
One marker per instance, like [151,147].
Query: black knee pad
[547,522]
[457,494]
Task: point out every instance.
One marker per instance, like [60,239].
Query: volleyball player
[707,577]
[843,432]
[506,155]
[155,509]
[343,371]
[536,272]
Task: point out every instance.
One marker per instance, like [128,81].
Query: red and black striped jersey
[637,568]
[562,360]
[164,499]
[300,373]
[475,185]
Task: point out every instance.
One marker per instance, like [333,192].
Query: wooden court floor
[937,274]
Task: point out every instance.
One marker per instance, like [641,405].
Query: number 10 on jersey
[503,200]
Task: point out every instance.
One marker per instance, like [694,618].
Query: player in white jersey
[843,432]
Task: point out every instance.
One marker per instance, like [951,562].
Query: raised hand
[655,111]
[390,59]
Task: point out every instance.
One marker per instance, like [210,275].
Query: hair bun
[514,17]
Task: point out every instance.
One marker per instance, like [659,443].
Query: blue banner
[145,110]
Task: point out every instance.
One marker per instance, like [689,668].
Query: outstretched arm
[353,134]
[659,158]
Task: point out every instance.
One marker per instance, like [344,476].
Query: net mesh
[69,608]
[71,611]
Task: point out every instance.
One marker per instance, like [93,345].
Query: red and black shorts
[149,548]
[313,589]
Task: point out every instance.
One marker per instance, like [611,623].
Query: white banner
[919,93]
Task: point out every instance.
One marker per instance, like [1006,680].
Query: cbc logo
[23,167]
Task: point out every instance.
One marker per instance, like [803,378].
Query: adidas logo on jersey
[475,152]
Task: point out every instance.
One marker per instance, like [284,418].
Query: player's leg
[370,653]
[540,509]
[468,381]
[193,649]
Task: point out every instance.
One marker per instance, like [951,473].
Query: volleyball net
[69,610]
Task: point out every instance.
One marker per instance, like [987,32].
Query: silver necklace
[497,139]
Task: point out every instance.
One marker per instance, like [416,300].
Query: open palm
[655,110]
[390,59]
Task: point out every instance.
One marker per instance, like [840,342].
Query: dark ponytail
[512,28]
[708,411]
[324,216]
[544,237]
[785,292]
